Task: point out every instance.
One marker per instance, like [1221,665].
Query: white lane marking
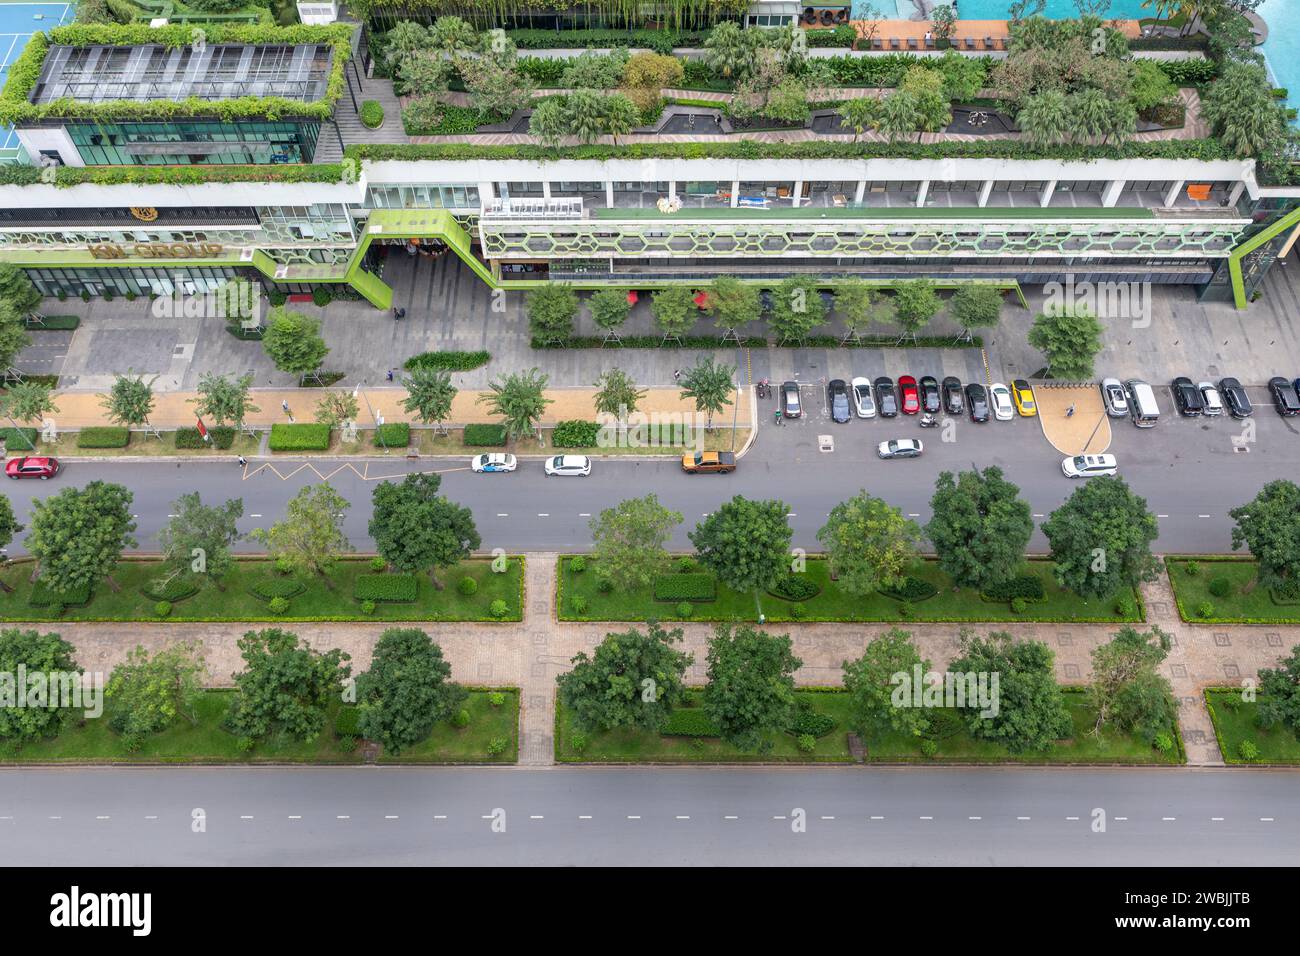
[828,818]
[1022,818]
[1265,819]
[778,817]
[536,816]
[503,514]
[681,817]
[1202,516]
[1162,516]
[1121,818]
[390,816]
[1072,818]
[791,514]
[343,816]
[255,516]
[440,816]
[101,818]
[584,514]
[1216,819]
[543,514]
[246,816]
[295,816]
[913,514]
[1169,819]
[56,818]
[877,818]
[584,816]
[927,818]
[731,818]
[1038,516]
[974,818]
[631,817]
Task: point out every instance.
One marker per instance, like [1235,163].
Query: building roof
[221,71]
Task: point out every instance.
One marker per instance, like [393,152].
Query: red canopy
[631,297]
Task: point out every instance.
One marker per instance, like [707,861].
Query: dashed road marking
[1169,819]
[343,816]
[1022,818]
[1265,819]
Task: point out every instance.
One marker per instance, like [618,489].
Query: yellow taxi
[1023,396]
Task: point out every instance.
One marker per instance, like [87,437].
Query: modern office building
[248,188]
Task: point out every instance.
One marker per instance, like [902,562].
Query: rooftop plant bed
[16,107]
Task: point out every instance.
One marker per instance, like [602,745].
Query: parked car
[1001,399]
[952,397]
[900,448]
[1210,398]
[929,386]
[32,466]
[837,394]
[1089,466]
[1285,397]
[910,397]
[790,403]
[708,463]
[573,465]
[493,462]
[1114,398]
[863,401]
[886,397]
[1187,397]
[1235,397]
[977,400]
[1023,396]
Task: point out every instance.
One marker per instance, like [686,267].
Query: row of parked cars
[912,396]
[1137,400]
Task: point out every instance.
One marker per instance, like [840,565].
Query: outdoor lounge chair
[893,43]
[988,44]
[876,44]
[929,43]
[911,43]
[969,42]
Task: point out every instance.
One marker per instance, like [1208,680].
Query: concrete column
[1110,195]
[1235,194]
[985,191]
[1171,197]
[922,193]
[672,189]
[735,194]
[486,191]
[861,192]
[1045,197]
[609,194]
[546,189]
[798,193]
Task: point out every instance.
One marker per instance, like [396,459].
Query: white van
[1089,466]
[1142,403]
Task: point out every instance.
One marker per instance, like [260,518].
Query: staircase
[349,123]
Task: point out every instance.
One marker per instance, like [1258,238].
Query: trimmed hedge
[223,436]
[372,114]
[300,437]
[172,589]
[396,588]
[689,722]
[18,439]
[447,361]
[794,588]
[759,342]
[1025,586]
[347,721]
[104,436]
[574,433]
[393,435]
[912,589]
[270,588]
[43,595]
[661,41]
[484,436]
[54,323]
[693,586]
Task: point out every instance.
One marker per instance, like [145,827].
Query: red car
[911,397]
[32,467]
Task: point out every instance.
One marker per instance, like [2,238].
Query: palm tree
[1045,119]
[729,50]
[859,114]
[429,394]
[619,116]
[518,398]
[1241,108]
[899,116]
[584,111]
[710,385]
[1088,114]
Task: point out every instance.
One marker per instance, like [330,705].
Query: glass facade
[194,142]
[120,281]
[423,197]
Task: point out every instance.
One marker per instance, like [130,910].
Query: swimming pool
[1282,48]
[18,21]
[997,9]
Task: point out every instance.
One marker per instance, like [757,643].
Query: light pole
[379,422]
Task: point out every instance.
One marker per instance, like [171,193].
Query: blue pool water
[1282,48]
[997,9]
[18,21]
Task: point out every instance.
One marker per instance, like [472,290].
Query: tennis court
[18,21]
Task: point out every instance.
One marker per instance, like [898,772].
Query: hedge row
[396,588]
[300,437]
[689,722]
[759,342]
[1025,586]
[173,588]
[447,361]
[691,586]
[43,596]
[574,433]
[484,436]
[393,435]
[18,439]
[268,587]
[104,436]
[223,436]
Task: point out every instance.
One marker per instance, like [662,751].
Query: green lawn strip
[142,445]
[833,604]
[1277,745]
[955,745]
[1245,602]
[94,741]
[429,442]
[318,602]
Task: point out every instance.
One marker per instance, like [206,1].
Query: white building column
[672,189]
[546,189]
[609,194]
[735,194]
[797,196]
[1235,194]
[1045,197]
[1110,195]
[922,192]
[1171,196]
[985,191]
[861,192]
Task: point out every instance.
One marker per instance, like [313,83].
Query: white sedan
[863,401]
[1001,401]
[492,463]
[900,448]
[579,465]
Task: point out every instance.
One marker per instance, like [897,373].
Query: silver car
[900,448]
[579,465]
[1114,398]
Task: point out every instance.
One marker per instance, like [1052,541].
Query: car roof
[573,459]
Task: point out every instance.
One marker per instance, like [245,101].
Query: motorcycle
[762,388]
[928,421]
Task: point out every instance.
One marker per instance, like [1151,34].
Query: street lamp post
[379,421]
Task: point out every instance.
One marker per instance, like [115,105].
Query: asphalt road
[650,816]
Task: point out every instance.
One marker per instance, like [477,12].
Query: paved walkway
[530,655]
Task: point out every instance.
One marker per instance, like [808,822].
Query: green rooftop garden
[884,212]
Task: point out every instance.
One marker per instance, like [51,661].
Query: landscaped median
[1220,589]
[1241,739]
[825,715]
[493,721]
[927,596]
[256,588]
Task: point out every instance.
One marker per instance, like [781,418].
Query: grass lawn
[427,442]
[1245,603]
[1234,725]
[954,742]
[832,604]
[93,741]
[238,603]
[141,445]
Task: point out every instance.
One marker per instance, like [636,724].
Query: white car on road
[863,401]
[1089,466]
[579,465]
[492,463]
[900,448]
[1000,397]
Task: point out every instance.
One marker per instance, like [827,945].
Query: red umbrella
[702,300]
[631,297]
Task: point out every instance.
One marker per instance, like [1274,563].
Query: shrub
[398,588]
[793,587]
[496,698]
[369,607]
[798,611]
[929,748]
[105,436]
[378,564]
[162,609]
[300,437]
[912,589]
[578,565]
[497,746]
[484,436]
[693,586]
[498,608]
[1220,587]
[687,565]
[906,609]
[1192,568]
[1230,702]
[1205,609]
[1124,606]
[43,596]
[18,439]
[806,743]
[1164,742]
[223,436]
[689,722]
[467,586]
[246,745]
[577,741]
[1019,605]
[171,588]
[685,609]
[347,722]
[1025,586]
[268,588]
[372,114]
[575,434]
[579,604]
[603,584]
[322,295]
[393,435]
[279,605]
[808,721]
[276,298]
[447,361]
[131,743]
[1247,750]
[283,566]
[347,744]
[460,719]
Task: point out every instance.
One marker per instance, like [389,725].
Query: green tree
[750,694]
[870,684]
[337,407]
[27,401]
[976,306]
[616,394]
[1122,669]
[421,74]
[609,308]
[293,341]
[646,74]
[452,36]
[18,290]
[407,690]
[630,541]
[674,310]
[733,303]
[618,116]
[1279,694]
[730,51]
[417,530]
[710,384]
[963,76]
[35,653]
[859,306]
[224,398]
[926,87]
[1070,337]
[1101,538]
[1030,712]
[197,539]
[429,394]
[405,37]
[520,399]
[859,115]
[549,121]
[980,527]
[1240,107]
[129,401]
[943,19]
[900,115]
[797,309]
[147,692]
[594,71]
[286,687]
[552,308]
[745,543]
[78,535]
[311,536]
[788,101]
[869,544]
[1269,526]
[631,680]
[1045,118]
[9,527]
[915,303]
[495,82]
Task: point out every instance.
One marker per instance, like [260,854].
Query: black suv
[929,386]
[977,400]
[1187,397]
[952,400]
[838,394]
[1235,397]
[886,397]
[1285,398]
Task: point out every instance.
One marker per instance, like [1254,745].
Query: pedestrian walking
[243,462]
[284,404]
[1069,412]
[677,375]
[390,374]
